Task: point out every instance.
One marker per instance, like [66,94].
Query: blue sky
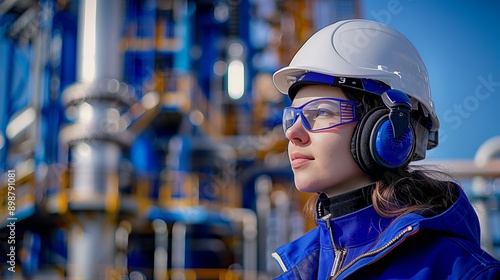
[460,43]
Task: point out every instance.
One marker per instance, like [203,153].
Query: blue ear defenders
[384,138]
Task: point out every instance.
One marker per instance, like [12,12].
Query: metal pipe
[161,250]
[179,231]
[484,155]
[487,151]
[122,235]
[263,187]
[94,140]
[99,37]
[90,247]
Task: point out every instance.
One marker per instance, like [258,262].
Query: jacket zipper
[388,244]
[339,252]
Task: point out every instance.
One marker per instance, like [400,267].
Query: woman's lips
[297,160]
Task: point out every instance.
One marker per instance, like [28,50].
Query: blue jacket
[445,246]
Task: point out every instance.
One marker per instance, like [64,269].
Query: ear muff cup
[373,147]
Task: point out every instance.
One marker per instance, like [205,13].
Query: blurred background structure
[146,136]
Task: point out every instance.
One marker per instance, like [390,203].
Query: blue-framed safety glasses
[321,113]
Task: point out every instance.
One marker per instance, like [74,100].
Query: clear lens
[289,118]
[321,113]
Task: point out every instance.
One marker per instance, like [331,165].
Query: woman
[361,112]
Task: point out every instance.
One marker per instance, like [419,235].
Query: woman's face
[321,161]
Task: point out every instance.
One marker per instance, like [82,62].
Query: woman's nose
[297,133]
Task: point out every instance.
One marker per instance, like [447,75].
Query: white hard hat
[363,49]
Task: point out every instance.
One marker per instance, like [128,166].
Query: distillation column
[95,140]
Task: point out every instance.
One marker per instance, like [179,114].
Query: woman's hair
[414,190]
[420,191]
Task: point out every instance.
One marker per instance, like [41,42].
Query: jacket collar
[364,225]
[351,218]
[346,203]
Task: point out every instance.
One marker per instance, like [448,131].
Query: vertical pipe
[99,34]
[91,239]
[263,187]
[486,152]
[91,247]
[122,235]
[179,231]
[161,250]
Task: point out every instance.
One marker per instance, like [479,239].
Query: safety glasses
[321,113]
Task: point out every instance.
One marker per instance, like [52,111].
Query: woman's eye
[321,112]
